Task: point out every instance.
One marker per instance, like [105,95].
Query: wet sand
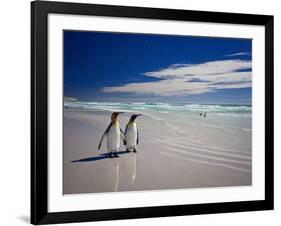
[171,155]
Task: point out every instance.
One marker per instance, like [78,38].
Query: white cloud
[70,99]
[238,54]
[208,68]
[187,79]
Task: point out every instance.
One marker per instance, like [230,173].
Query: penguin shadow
[125,177]
[100,157]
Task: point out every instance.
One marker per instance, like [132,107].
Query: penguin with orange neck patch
[113,133]
[132,134]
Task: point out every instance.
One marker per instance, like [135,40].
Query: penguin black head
[115,115]
[133,117]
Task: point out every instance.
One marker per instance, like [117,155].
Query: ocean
[163,107]
[236,116]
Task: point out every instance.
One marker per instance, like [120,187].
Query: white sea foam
[210,108]
[218,116]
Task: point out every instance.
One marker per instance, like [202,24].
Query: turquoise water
[217,115]
[163,107]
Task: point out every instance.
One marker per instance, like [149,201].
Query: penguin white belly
[131,136]
[113,137]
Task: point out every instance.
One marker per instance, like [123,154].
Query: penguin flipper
[103,136]
[137,136]
[123,136]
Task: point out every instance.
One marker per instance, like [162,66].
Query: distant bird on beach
[132,134]
[113,133]
[203,114]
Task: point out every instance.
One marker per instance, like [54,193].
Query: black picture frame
[39,112]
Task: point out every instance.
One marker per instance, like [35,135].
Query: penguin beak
[118,113]
[138,115]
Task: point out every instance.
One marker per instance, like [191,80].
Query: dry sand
[170,155]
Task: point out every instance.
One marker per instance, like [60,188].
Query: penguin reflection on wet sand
[114,133]
[132,134]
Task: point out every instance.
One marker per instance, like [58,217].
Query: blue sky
[103,66]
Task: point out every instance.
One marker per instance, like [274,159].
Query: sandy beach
[172,153]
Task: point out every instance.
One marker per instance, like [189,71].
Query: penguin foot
[116,155]
[127,150]
[135,150]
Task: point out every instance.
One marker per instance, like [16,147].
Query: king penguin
[113,133]
[132,134]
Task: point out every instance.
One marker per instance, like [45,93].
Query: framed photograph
[145,112]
